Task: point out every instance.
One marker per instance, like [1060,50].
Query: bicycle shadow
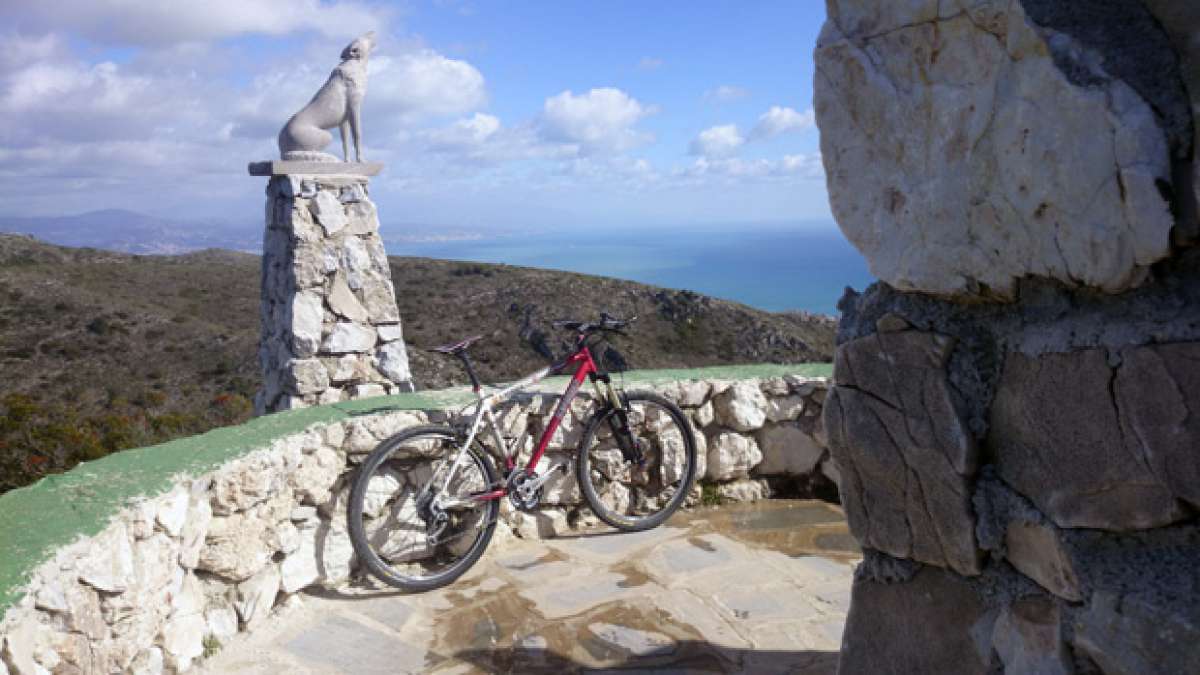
[688,656]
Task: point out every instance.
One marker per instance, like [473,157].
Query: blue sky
[488,114]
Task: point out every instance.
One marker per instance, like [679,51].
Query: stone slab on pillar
[330,325]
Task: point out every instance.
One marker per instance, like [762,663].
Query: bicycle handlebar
[606,323]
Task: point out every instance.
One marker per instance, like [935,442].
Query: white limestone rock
[173,511]
[315,478]
[959,175]
[299,570]
[379,298]
[367,391]
[392,361]
[731,456]
[786,450]
[305,323]
[742,406]
[336,557]
[108,565]
[389,332]
[256,596]
[329,212]
[784,408]
[705,415]
[237,547]
[745,490]
[148,662]
[305,376]
[343,302]
[349,337]
[221,622]
[183,634]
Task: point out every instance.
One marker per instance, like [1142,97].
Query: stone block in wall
[787,450]
[1038,551]
[730,456]
[1059,439]
[1028,638]
[903,449]
[935,622]
[1139,634]
[741,407]
[966,149]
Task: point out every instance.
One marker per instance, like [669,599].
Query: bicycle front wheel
[637,496]
[406,530]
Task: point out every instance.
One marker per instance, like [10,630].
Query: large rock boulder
[970,144]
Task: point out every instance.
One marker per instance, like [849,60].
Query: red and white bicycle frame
[485,414]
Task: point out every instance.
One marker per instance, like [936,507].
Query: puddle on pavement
[796,527]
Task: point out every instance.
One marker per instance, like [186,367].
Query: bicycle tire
[587,479]
[373,560]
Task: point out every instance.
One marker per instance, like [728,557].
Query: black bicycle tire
[358,536]
[582,462]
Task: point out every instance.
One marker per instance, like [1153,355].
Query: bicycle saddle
[457,347]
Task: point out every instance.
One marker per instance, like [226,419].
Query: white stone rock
[306,319]
[256,596]
[336,558]
[389,332]
[173,512]
[742,406]
[299,570]
[315,477]
[195,529]
[705,415]
[745,490]
[247,482]
[148,662]
[287,537]
[329,212]
[392,361]
[237,547]
[183,634]
[27,640]
[367,391]
[786,450]
[987,164]
[731,456]
[349,337]
[221,622]
[141,522]
[784,408]
[305,376]
[356,261]
[342,301]
[335,435]
[108,565]
[379,297]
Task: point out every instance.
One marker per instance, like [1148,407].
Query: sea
[775,268]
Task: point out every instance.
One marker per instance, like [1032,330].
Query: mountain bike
[425,502]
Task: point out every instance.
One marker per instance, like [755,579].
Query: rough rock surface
[947,169]
[903,450]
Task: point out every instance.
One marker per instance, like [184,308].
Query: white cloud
[153,22]
[779,120]
[602,120]
[725,93]
[718,141]
[805,166]
[423,83]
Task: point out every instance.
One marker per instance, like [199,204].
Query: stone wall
[330,325]
[1014,408]
[220,551]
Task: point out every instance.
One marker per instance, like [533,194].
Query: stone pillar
[330,325]
[1016,405]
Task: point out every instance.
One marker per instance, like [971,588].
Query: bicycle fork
[619,421]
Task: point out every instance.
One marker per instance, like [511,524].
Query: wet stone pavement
[754,588]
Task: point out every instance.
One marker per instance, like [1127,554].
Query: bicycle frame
[485,413]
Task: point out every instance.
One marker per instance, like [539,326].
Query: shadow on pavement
[689,656]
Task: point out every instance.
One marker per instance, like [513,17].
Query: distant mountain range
[133,232]
[142,234]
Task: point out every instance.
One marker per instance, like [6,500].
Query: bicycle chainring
[519,490]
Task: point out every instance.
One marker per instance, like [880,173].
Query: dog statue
[337,104]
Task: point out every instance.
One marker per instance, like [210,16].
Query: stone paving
[744,588]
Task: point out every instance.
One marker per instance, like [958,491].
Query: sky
[504,115]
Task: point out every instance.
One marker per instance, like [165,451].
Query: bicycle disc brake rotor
[521,490]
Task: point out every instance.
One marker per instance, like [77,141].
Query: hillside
[103,350]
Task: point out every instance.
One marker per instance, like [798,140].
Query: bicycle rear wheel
[401,534]
[622,493]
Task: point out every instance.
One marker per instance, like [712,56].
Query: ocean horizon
[771,268]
